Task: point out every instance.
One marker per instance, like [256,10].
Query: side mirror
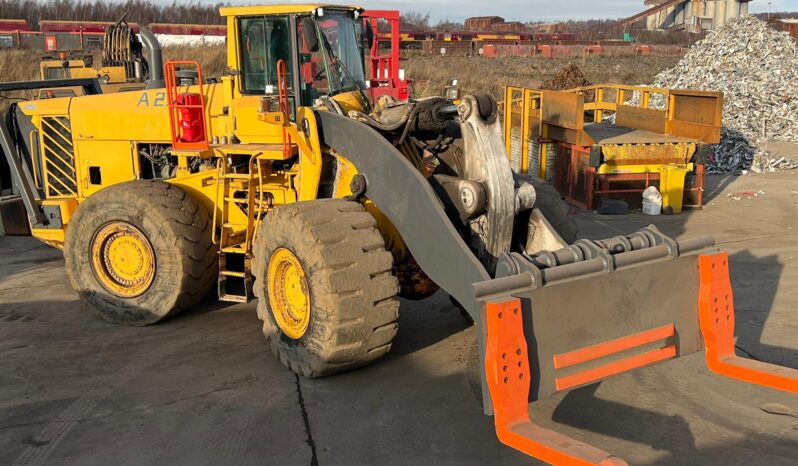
[310,36]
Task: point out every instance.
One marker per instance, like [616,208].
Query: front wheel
[325,288]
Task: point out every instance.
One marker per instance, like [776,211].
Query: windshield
[330,56]
[341,37]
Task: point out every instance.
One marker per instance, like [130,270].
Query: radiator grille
[58,157]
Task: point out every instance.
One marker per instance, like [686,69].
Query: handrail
[172,92]
[285,106]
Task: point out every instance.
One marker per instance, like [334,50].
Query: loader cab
[323,49]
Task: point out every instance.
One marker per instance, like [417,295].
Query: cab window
[56,72]
[314,65]
[265,41]
[330,56]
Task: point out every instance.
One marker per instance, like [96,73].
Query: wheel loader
[283,182]
[123,66]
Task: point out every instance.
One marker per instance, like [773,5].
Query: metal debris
[756,68]
[568,78]
[747,195]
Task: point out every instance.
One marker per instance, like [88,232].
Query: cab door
[261,42]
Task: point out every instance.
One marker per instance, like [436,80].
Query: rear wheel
[325,287]
[140,251]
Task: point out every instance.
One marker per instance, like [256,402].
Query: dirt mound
[568,78]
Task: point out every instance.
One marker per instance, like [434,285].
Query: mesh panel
[59,157]
[551,161]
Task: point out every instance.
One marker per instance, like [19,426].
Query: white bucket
[652,207]
[652,194]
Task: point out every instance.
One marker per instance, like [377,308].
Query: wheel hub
[123,259]
[289,295]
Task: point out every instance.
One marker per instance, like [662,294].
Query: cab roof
[281,9]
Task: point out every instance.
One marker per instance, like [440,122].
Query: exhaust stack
[155,59]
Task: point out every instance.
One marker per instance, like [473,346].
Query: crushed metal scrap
[756,68]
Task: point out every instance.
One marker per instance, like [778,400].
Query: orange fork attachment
[716,320]
[509,377]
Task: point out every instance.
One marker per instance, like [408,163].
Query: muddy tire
[352,313]
[160,219]
[553,206]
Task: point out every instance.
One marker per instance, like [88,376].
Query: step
[230,273]
[233,239]
[233,298]
[234,225]
[234,250]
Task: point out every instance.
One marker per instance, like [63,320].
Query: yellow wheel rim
[289,295]
[122,259]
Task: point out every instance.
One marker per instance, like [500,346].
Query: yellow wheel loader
[123,66]
[284,182]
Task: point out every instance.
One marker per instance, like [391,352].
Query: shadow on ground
[203,388]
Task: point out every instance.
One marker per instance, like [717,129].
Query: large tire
[178,231]
[553,206]
[353,311]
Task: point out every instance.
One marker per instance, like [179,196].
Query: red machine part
[384,77]
[190,117]
[509,378]
[186,108]
[50,44]
[79,26]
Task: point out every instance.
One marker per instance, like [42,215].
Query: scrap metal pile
[756,68]
[568,78]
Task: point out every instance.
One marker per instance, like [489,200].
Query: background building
[689,15]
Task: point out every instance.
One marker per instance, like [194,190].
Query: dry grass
[23,65]
[17,65]
[477,74]
[431,74]
[213,58]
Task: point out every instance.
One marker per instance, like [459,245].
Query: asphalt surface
[203,388]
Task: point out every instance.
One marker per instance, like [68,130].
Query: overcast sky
[519,10]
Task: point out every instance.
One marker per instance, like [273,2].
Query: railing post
[508,117]
[598,114]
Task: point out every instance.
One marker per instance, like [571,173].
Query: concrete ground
[202,388]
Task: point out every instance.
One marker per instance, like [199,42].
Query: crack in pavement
[314,459]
